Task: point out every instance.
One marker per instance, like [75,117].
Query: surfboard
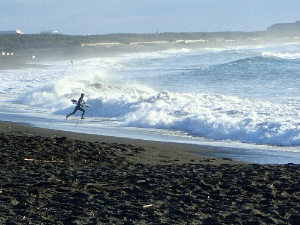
[74,101]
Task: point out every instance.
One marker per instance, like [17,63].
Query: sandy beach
[56,177]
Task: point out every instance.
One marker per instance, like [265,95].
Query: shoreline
[156,152]
[92,52]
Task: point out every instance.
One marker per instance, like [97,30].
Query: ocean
[241,102]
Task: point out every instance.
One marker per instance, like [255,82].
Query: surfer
[79,106]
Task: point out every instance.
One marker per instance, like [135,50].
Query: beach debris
[147,206]
[41,160]
[141,181]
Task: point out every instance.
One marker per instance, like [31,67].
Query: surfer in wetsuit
[79,107]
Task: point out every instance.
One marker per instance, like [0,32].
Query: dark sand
[55,177]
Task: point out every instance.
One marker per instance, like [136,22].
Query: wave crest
[282,55]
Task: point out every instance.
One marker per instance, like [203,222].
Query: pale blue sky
[144,16]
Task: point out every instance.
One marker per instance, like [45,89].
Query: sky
[89,17]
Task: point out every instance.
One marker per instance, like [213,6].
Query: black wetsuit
[79,107]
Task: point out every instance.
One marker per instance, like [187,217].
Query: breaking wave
[213,116]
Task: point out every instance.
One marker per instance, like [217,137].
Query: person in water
[79,107]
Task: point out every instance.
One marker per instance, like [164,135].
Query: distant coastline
[24,50]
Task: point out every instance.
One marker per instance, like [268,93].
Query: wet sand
[56,177]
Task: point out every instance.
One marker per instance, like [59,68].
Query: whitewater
[242,101]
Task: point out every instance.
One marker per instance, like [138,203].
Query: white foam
[282,55]
[206,115]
